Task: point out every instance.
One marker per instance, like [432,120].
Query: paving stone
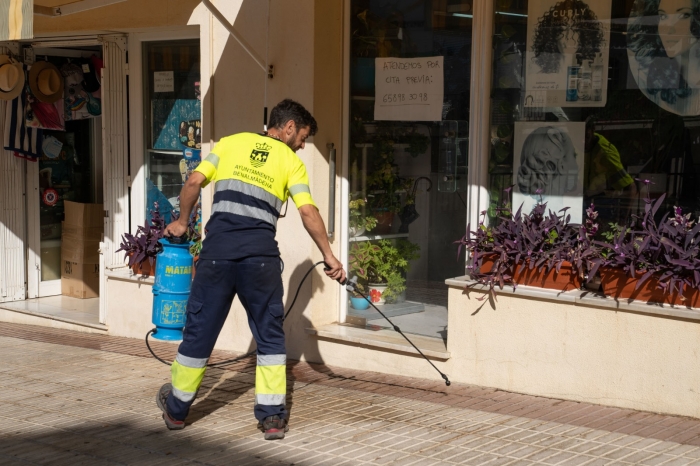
[338,416]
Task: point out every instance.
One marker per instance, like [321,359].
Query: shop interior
[407,177]
[67,167]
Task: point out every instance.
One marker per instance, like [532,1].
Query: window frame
[479,125]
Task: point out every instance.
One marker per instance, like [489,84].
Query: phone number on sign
[400,98]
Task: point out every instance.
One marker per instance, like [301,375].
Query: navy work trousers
[258,283]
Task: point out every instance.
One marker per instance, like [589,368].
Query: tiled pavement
[79,399]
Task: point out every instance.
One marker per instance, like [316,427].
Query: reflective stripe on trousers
[187,375]
[271,380]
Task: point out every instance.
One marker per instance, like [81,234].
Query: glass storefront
[596,102]
[173,121]
[410,67]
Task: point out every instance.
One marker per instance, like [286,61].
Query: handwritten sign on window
[409,89]
[163,81]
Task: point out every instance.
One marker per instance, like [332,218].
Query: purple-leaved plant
[541,239]
[668,250]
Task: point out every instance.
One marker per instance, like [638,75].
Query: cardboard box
[86,215]
[79,231]
[80,250]
[80,280]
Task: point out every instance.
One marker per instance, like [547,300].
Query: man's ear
[289,127]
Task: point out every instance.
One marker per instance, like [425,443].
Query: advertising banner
[566,60]
[548,165]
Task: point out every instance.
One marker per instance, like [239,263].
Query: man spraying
[254,175]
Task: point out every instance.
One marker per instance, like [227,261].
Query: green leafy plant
[389,265]
[360,258]
[383,263]
[360,222]
[417,143]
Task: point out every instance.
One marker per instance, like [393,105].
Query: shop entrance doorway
[80,155]
[68,167]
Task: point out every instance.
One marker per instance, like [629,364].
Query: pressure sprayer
[171,288]
[350,285]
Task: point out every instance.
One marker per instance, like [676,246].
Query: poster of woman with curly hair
[548,165]
[664,55]
[566,61]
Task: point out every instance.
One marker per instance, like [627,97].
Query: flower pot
[359,303]
[145,269]
[617,284]
[356,231]
[384,221]
[565,280]
[376,293]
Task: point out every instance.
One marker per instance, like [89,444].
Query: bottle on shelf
[584,81]
[572,76]
[597,77]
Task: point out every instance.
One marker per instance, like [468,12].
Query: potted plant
[359,222]
[536,248]
[382,267]
[360,259]
[654,261]
[141,249]
[385,186]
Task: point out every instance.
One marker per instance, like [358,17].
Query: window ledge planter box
[617,284]
[564,280]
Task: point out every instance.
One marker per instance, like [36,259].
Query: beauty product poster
[566,60]
[664,54]
[548,164]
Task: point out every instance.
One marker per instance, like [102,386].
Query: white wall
[558,350]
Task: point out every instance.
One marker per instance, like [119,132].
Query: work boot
[274,427]
[161,398]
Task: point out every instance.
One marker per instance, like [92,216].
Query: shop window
[595,102]
[173,121]
[408,157]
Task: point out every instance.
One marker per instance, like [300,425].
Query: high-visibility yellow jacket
[254,175]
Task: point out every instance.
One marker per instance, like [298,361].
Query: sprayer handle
[177,239]
[327,267]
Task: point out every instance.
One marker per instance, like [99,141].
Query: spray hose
[350,285]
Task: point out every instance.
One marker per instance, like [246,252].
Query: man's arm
[317,230]
[188,198]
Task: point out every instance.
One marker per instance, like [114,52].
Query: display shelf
[378,237]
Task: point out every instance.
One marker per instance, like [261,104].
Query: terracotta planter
[565,280]
[384,221]
[617,284]
[145,269]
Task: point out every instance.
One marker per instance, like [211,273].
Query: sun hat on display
[46,82]
[11,78]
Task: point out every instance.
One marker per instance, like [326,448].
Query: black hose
[397,329]
[350,286]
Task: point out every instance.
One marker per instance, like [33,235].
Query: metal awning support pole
[224,22]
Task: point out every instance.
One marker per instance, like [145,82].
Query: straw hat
[46,82]
[11,78]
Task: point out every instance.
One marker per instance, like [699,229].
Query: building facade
[428,110]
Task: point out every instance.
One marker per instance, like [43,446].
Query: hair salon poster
[548,165]
[567,53]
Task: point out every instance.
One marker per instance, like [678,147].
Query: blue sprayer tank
[171,289]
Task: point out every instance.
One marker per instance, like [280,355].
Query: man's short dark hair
[291,110]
